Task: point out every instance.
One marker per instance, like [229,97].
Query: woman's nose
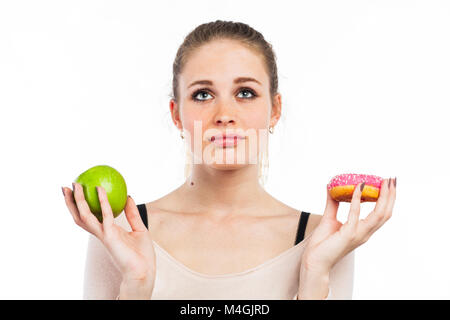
[224,120]
[224,115]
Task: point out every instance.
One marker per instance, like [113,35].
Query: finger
[391,200]
[355,206]
[107,214]
[375,218]
[68,198]
[381,204]
[133,216]
[87,217]
[331,207]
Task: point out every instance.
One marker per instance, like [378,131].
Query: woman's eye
[200,93]
[247,91]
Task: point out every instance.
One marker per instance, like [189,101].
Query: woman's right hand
[133,252]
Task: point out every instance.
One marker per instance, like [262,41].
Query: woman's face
[224,89]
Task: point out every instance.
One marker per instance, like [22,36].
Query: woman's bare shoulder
[294,215]
[312,223]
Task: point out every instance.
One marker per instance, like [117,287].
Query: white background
[365,87]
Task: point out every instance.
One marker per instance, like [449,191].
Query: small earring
[181,134]
[271,130]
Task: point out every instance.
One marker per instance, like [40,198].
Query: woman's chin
[227,166]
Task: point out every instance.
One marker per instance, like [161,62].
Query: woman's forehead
[223,61]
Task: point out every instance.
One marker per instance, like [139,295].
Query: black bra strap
[143,213]
[302,226]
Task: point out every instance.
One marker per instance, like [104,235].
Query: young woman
[220,235]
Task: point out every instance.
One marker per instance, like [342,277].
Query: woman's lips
[227,141]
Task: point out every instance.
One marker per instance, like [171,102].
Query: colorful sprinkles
[354,179]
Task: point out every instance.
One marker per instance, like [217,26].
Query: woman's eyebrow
[237,80]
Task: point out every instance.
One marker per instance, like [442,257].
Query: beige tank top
[275,279]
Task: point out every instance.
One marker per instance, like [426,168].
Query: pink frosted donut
[341,187]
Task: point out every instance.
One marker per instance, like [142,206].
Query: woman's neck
[223,192]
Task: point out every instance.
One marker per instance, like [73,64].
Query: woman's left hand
[332,240]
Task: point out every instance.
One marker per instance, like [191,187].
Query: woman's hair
[242,33]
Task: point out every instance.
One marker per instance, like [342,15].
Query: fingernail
[362,186]
[389,184]
[395,182]
[62,188]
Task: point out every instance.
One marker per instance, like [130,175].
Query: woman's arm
[341,278]
[102,278]
[336,285]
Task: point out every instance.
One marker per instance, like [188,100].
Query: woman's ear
[276,110]
[174,112]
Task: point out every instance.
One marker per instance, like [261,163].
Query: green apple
[113,183]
